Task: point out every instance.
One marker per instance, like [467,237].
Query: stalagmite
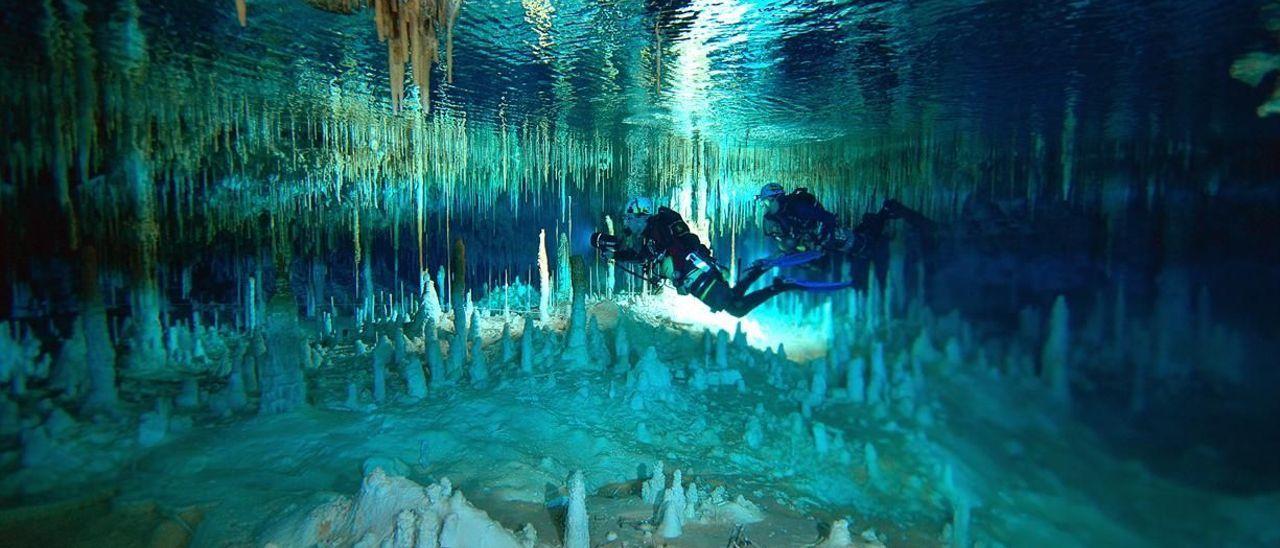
[189,396]
[544,280]
[527,353]
[457,363]
[838,537]
[610,271]
[400,346]
[236,396]
[877,383]
[722,349]
[564,271]
[251,304]
[754,435]
[430,299]
[100,356]
[281,377]
[435,359]
[652,381]
[153,426]
[597,347]
[651,489]
[818,385]
[458,286]
[1054,355]
[479,371]
[508,347]
[415,379]
[872,460]
[855,379]
[691,498]
[382,356]
[575,527]
[621,348]
[576,353]
[672,515]
[821,443]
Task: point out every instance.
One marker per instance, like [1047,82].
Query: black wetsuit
[800,223]
[694,271]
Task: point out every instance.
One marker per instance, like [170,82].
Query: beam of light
[803,335]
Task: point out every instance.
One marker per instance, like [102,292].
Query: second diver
[659,240]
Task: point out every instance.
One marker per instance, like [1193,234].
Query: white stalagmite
[691,502]
[1053,357]
[576,534]
[430,299]
[610,279]
[544,279]
[405,530]
[670,524]
[838,537]
[391,510]
[652,487]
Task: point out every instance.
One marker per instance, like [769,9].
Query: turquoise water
[245,264]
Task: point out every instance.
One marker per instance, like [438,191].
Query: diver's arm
[629,256]
[612,247]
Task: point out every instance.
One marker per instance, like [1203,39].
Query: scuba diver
[660,241]
[805,231]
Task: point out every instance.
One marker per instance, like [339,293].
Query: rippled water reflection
[789,69]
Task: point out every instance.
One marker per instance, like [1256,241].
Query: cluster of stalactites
[411,28]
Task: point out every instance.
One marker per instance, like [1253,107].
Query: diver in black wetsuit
[798,223]
[661,242]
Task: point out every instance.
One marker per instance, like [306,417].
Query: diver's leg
[893,209]
[744,304]
[923,226]
[753,273]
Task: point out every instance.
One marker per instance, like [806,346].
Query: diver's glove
[607,243]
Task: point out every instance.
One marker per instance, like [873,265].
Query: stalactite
[411,28]
[242,13]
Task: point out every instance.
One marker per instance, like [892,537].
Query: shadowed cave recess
[385,273]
